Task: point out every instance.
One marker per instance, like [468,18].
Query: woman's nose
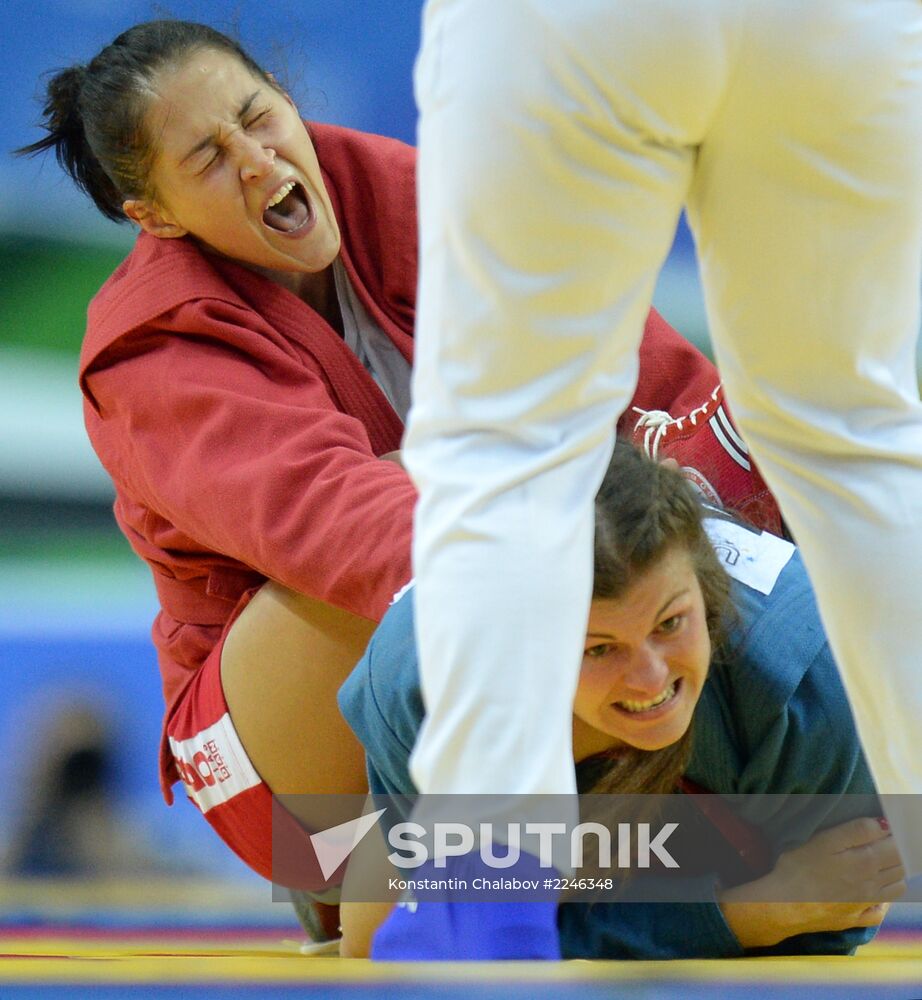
[256,160]
[648,672]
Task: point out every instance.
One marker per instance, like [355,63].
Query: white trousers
[559,140]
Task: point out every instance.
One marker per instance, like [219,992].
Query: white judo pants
[559,140]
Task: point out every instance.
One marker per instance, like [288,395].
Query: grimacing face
[645,660]
[235,167]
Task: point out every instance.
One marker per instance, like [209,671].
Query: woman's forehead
[670,575]
[193,98]
[206,79]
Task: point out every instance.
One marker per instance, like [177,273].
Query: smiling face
[645,661]
[235,167]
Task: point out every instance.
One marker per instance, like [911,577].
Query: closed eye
[217,153]
[211,162]
[253,121]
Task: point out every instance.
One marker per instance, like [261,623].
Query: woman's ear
[152,219]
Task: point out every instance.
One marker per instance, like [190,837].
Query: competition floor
[160,939]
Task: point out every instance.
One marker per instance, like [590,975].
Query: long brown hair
[642,511]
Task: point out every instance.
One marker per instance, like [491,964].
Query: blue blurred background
[78,671]
[75,605]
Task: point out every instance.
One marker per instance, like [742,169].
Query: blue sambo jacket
[772,718]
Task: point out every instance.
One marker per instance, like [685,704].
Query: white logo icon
[334,845]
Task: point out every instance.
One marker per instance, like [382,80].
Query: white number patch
[755,559]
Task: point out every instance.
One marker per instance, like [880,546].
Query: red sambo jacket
[242,434]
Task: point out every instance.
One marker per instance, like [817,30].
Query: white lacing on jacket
[657,423]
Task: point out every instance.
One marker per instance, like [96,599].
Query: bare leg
[359,923]
[283,662]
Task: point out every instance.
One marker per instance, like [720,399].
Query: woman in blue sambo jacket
[694,616]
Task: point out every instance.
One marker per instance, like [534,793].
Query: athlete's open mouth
[289,208]
[640,707]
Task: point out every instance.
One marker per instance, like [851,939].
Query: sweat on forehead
[195,101]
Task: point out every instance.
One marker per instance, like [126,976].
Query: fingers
[842,916]
[896,873]
[878,863]
[855,833]
[871,916]
[856,862]
[814,917]
[894,888]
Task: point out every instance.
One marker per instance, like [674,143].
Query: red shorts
[222,782]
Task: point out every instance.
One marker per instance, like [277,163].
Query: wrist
[753,924]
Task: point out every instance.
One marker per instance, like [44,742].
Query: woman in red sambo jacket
[243,370]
